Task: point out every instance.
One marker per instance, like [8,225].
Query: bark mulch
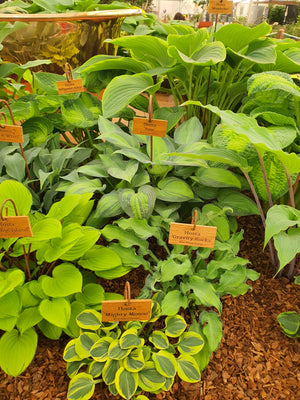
[255,360]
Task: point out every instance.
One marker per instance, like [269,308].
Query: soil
[254,361]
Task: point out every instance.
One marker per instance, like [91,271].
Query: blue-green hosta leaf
[81,387]
[290,323]
[174,190]
[15,166]
[175,326]
[240,204]
[109,371]
[150,379]
[217,177]
[135,361]
[279,218]
[126,383]
[19,194]
[17,350]
[149,48]
[237,36]
[67,279]
[287,246]
[175,265]
[165,363]
[188,369]
[190,343]
[212,329]
[21,110]
[89,319]
[171,114]
[189,131]
[56,311]
[122,169]
[100,258]
[172,302]
[10,279]
[138,205]
[122,90]
[159,340]
[112,133]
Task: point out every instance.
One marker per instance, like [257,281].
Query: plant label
[15,227]
[142,126]
[220,7]
[188,235]
[124,310]
[11,133]
[72,86]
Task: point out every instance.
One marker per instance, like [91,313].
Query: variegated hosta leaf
[109,371]
[130,339]
[165,363]
[135,361]
[155,311]
[126,383]
[150,379]
[138,205]
[175,326]
[84,343]
[89,319]
[81,387]
[188,369]
[160,340]
[74,366]
[190,343]
[99,351]
[115,352]
[95,368]
[70,351]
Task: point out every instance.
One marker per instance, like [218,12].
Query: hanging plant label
[15,227]
[71,86]
[11,133]
[220,7]
[190,235]
[122,310]
[155,127]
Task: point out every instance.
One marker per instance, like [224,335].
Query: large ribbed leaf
[106,62]
[188,44]
[19,194]
[288,60]
[189,132]
[259,51]
[209,54]
[100,258]
[174,190]
[272,80]
[76,113]
[38,128]
[66,280]
[138,205]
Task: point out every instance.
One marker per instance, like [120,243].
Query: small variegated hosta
[131,358]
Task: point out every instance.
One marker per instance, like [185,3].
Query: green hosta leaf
[10,279]
[171,114]
[47,81]
[28,318]
[17,351]
[217,177]
[172,302]
[73,329]
[272,80]
[10,305]
[190,343]
[95,368]
[109,205]
[126,383]
[188,369]
[92,293]
[259,51]
[122,169]
[56,311]
[138,205]
[291,161]
[209,54]
[67,279]
[188,44]
[135,361]
[122,90]
[15,166]
[102,62]
[49,330]
[81,387]
[160,340]
[150,379]
[287,246]
[125,238]
[89,319]
[76,113]
[165,363]
[290,323]
[64,207]
[205,292]
[109,371]
[99,351]
[240,204]
[174,190]
[115,352]
[128,256]
[91,235]
[279,218]
[38,128]
[212,329]
[214,215]
[130,339]
[175,326]
[189,132]
[19,194]
[113,134]
[100,258]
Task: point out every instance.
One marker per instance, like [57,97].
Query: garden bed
[255,360]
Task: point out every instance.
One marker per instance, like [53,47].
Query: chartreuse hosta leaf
[150,379]
[67,279]
[165,363]
[126,383]
[17,350]
[130,339]
[70,354]
[90,237]
[92,293]
[272,80]
[28,318]
[95,368]
[188,44]
[175,326]
[99,350]
[89,319]
[100,258]
[190,343]
[109,371]
[187,368]
[81,387]
[19,194]
[57,311]
[160,340]
[115,352]
[172,302]
[10,279]
[135,361]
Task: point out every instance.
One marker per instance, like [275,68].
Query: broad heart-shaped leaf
[65,206]
[208,54]
[91,235]
[10,279]
[175,325]
[92,293]
[146,48]
[165,363]
[189,132]
[15,166]
[112,133]
[135,361]
[290,323]
[172,302]
[56,311]
[125,238]
[126,383]
[109,205]
[19,194]
[130,339]
[75,112]
[217,177]
[190,343]
[28,318]
[150,379]
[188,44]
[288,60]
[204,291]
[100,258]
[67,279]
[46,229]
[212,329]
[259,51]
[38,128]
[138,205]
[171,114]
[160,340]
[17,351]
[279,218]
[122,169]
[287,246]
[237,36]
[122,90]
[188,369]
[102,62]
[174,190]
[89,319]
[240,204]
[81,387]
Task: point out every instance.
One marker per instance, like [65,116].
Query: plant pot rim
[102,15]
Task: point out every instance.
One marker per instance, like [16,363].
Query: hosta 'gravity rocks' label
[188,235]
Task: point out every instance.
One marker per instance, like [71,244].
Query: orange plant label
[11,133]
[15,227]
[220,7]
[122,310]
[187,235]
[72,86]
[142,126]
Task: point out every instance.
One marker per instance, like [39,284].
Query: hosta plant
[132,357]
